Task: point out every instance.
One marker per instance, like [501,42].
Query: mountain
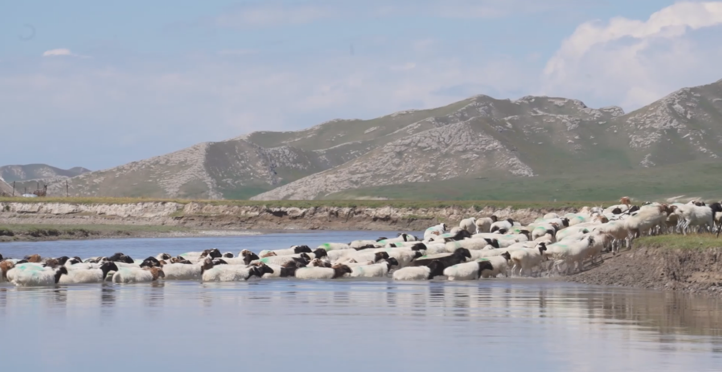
[37,172]
[5,188]
[533,144]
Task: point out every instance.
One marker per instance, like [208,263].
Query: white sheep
[179,271]
[467,270]
[692,215]
[434,230]
[484,224]
[378,270]
[334,246]
[499,264]
[527,259]
[435,268]
[323,272]
[83,275]
[136,274]
[469,224]
[30,276]
[234,273]
[296,249]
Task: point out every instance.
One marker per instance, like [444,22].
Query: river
[499,324]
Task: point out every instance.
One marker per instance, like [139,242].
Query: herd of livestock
[477,248]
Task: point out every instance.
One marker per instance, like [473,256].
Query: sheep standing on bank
[527,259]
[469,224]
[483,225]
[691,215]
[499,265]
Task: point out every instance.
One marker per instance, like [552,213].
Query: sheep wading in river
[480,247]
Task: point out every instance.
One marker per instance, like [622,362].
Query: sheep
[334,246]
[469,224]
[484,224]
[468,270]
[693,215]
[282,271]
[471,244]
[499,264]
[433,269]
[36,277]
[403,237]
[550,215]
[527,259]
[378,270]
[404,256]
[296,249]
[302,259]
[137,275]
[434,230]
[164,256]
[5,266]
[120,257]
[234,273]
[362,244]
[460,255]
[336,272]
[571,253]
[248,256]
[83,275]
[504,225]
[179,271]
[646,219]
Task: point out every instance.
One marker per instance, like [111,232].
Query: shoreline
[681,270]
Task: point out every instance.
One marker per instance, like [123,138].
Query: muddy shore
[682,270]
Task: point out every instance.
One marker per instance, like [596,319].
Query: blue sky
[99,84]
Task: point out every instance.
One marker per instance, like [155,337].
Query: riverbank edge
[688,270]
[205,216]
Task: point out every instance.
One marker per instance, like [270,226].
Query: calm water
[534,325]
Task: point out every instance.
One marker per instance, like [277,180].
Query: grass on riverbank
[412,204]
[691,241]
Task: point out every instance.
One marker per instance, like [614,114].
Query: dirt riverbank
[205,216]
[680,269]
[44,232]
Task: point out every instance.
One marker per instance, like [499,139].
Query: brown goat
[269,254]
[5,266]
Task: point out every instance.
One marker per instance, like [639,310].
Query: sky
[99,84]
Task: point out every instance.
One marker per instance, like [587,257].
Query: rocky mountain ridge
[474,138]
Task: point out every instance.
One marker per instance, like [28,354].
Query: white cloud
[633,62]
[61,52]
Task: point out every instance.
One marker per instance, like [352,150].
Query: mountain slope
[37,172]
[5,188]
[500,140]
[544,136]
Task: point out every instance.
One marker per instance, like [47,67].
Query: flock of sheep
[477,248]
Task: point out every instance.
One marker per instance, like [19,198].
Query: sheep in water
[282,271]
[499,264]
[5,266]
[235,273]
[377,270]
[181,271]
[468,270]
[433,269]
[82,275]
[33,277]
[137,275]
[248,256]
[335,272]
[296,249]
